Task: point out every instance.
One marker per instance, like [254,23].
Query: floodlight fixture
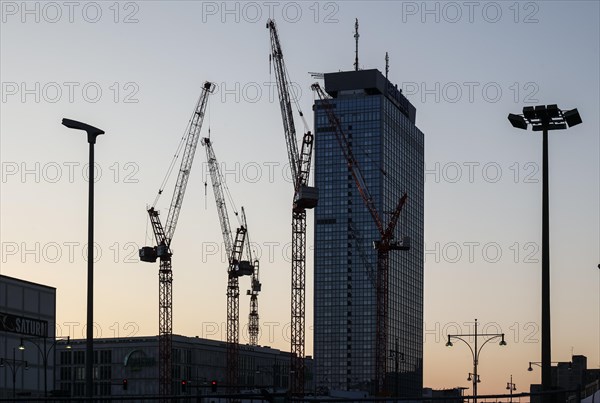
[572,117]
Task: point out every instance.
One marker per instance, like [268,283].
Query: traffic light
[213,386]
[124,384]
[183,386]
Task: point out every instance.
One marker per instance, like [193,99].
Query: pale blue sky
[451,71]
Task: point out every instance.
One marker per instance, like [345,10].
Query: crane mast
[164,236]
[305,197]
[253,318]
[383,246]
[234,246]
[255,289]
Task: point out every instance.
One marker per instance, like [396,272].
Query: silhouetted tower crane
[255,289]
[234,246]
[164,236]
[305,197]
[383,246]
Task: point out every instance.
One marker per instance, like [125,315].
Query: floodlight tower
[545,118]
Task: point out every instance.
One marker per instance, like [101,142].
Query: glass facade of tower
[379,123]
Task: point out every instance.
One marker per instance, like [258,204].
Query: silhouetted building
[572,377]
[134,361]
[380,125]
[28,314]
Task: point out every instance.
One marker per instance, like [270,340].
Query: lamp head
[469,378]
[502,342]
[68,346]
[572,117]
[21,345]
[449,343]
[553,111]
[529,369]
[529,112]
[92,131]
[541,113]
[517,121]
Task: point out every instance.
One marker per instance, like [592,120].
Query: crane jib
[163,235]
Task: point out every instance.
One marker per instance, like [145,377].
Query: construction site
[241,263]
[332,247]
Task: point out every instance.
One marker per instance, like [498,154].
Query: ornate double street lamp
[512,387]
[14,366]
[543,119]
[45,353]
[472,376]
[476,351]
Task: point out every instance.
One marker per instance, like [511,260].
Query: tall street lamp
[476,351]
[512,387]
[14,366]
[545,118]
[92,133]
[45,353]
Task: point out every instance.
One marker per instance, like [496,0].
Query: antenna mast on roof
[356,38]
[387,64]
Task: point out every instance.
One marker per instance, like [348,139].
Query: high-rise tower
[379,123]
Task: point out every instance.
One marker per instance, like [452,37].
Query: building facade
[379,123]
[570,379]
[27,320]
[129,366]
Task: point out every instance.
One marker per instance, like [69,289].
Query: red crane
[305,197]
[234,246]
[164,236]
[383,246]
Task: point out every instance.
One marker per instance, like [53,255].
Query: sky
[136,68]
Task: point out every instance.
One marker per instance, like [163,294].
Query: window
[65,358]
